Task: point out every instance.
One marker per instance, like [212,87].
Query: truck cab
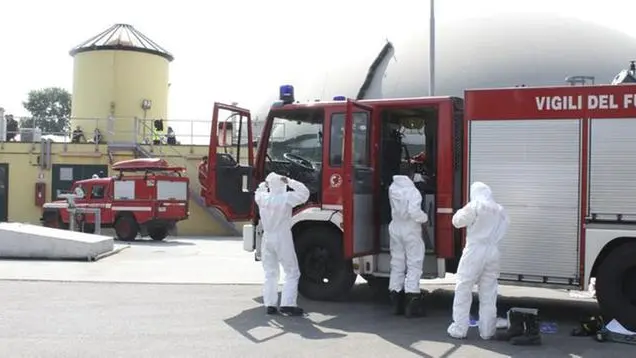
[347,152]
[147,198]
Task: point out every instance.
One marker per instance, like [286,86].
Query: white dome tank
[500,51]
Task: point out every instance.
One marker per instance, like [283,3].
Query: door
[98,197]
[357,188]
[4,192]
[228,183]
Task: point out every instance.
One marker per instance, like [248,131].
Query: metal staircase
[175,158]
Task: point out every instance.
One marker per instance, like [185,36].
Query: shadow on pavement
[252,319]
[152,243]
[365,311]
[211,238]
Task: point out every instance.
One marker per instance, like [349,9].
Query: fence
[111,129]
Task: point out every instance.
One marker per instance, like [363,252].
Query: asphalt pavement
[133,305]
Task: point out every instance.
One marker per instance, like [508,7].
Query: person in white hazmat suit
[486,223]
[406,246]
[275,206]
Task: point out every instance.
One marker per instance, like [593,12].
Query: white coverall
[405,230]
[275,206]
[486,223]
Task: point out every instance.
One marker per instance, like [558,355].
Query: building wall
[114,83]
[24,172]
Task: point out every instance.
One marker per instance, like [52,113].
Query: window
[298,133]
[360,139]
[97,192]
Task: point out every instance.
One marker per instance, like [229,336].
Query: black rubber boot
[272,310]
[515,327]
[291,311]
[414,306]
[531,334]
[397,302]
[589,327]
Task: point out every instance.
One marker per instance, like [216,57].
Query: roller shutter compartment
[532,167]
[613,168]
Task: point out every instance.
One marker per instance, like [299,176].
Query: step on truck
[561,160]
[147,197]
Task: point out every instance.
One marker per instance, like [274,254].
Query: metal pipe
[431,52]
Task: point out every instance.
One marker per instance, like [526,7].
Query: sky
[237,50]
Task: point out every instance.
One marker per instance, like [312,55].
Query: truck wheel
[616,285]
[126,228]
[88,228]
[158,233]
[52,220]
[324,274]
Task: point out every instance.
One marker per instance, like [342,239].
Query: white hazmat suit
[486,224]
[275,206]
[406,245]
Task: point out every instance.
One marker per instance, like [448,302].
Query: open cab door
[227,183]
[357,189]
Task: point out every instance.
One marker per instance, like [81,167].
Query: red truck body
[561,160]
[148,197]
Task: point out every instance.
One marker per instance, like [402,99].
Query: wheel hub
[317,265]
[123,227]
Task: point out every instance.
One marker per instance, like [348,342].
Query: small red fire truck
[149,200]
[562,160]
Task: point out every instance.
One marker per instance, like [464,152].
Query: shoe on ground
[291,311]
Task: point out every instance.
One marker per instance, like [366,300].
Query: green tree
[50,109]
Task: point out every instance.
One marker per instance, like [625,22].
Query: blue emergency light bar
[340,98]
[286,94]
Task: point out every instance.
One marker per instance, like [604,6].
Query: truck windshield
[298,133]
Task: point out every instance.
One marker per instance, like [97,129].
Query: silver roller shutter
[532,167]
[613,168]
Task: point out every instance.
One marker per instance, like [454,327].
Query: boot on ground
[414,306]
[291,311]
[515,327]
[397,302]
[531,332]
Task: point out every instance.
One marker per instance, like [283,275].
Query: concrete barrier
[37,242]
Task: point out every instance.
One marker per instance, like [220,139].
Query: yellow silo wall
[23,173]
[114,83]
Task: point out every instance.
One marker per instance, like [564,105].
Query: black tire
[158,233]
[325,274]
[616,285]
[126,228]
[88,228]
[52,219]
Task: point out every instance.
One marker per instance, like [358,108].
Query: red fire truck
[562,160]
[149,200]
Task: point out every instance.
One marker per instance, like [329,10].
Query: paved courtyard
[135,304]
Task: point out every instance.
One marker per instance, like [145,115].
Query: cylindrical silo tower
[119,75]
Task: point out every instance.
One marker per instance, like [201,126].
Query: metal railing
[110,129]
[178,159]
